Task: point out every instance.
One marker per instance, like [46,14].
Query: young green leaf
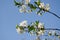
[30,28]
[21,28]
[32,6]
[17,26]
[17,3]
[37,3]
[36,23]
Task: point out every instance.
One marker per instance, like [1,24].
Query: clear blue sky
[10,16]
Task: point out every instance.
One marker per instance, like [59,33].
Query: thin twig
[53,14]
[50,12]
[52,29]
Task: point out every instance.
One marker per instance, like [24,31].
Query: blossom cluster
[45,7]
[37,28]
[27,7]
[24,7]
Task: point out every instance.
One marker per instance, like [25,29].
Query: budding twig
[50,12]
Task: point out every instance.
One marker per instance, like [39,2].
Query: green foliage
[17,3]
[37,3]
[30,28]
[39,12]
[32,6]
[17,26]
[21,28]
[36,23]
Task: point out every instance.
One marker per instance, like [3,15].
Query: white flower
[47,7]
[49,33]
[40,25]
[27,1]
[19,30]
[52,32]
[24,6]
[24,23]
[41,5]
[23,9]
[41,32]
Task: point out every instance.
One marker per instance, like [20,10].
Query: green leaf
[30,28]
[17,26]
[37,3]
[17,3]
[32,6]
[39,12]
[21,28]
[36,23]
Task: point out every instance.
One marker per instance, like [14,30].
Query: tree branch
[50,12]
[52,29]
[53,14]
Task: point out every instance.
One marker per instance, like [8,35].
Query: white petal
[41,5]
[23,6]
[40,25]
[40,32]
[24,23]
[18,30]
[47,7]
[20,10]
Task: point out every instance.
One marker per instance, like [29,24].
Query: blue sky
[10,16]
